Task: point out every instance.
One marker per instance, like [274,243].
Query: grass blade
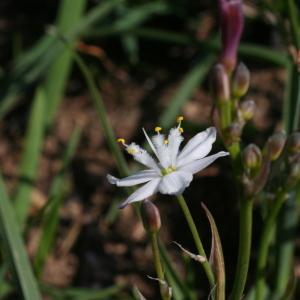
[51,214]
[30,155]
[34,64]
[14,248]
[59,71]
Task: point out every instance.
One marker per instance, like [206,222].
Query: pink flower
[232,24]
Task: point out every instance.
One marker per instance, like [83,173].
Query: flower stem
[158,267]
[244,248]
[225,114]
[197,240]
[265,243]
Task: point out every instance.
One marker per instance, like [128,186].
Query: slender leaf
[131,19]
[51,214]
[59,71]
[216,257]
[30,155]
[34,64]
[14,248]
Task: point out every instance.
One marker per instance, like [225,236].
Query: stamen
[122,141]
[181,130]
[157,129]
[131,150]
[179,119]
[166,142]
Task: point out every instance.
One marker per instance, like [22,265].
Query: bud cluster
[230,80]
[227,91]
[257,163]
[279,149]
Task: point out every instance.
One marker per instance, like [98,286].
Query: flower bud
[247,109]
[293,143]
[275,144]
[220,83]
[150,216]
[240,81]
[252,157]
[233,133]
[232,23]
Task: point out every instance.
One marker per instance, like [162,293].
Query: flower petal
[175,182]
[162,149]
[198,147]
[142,156]
[143,192]
[200,164]
[174,140]
[138,178]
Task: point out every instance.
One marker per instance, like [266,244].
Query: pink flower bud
[275,145]
[241,81]
[247,109]
[150,216]
[251,157]
[220,83]
[232,24]
[294,143]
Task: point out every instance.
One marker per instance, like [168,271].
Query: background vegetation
[74,75]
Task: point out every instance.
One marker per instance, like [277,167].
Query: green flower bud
[252,157]
[275,145]
[240,81]
[150,216]
[233,133]
[293,143]
[247,109]
[220,83]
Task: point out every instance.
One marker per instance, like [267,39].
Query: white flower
[173,171]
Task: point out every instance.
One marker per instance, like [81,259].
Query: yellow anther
[181,130]
[166,142]
[122,141]
[157,129]
[131,150]
[179,119]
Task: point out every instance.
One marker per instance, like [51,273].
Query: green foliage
[14,248]
[30,156]
[45,68]
[50,217]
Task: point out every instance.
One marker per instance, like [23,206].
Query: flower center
[168,170]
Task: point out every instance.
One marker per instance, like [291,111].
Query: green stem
[225,113]
[206,266]
[158,267]
[265,241]
[244,248]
